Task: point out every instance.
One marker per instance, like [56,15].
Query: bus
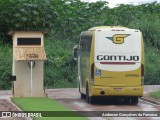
[110,63]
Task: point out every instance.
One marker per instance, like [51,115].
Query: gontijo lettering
[118,57]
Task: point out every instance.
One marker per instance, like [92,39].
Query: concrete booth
[28,60]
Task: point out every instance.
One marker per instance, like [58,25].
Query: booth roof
[12,32]
[29,53]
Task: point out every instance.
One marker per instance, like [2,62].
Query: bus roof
[105,27]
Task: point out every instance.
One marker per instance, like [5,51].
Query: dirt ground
[5,105]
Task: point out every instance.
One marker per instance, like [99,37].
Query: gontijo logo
[118,38]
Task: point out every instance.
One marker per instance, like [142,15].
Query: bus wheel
[87,94]
[83,96]
[134,100]
[89,99]
[79,88]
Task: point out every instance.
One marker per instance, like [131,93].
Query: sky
[112,3]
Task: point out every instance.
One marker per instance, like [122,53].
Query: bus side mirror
[75,52]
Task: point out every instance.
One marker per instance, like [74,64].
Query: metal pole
[31,77]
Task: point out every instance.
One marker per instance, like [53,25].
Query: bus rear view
[116,64]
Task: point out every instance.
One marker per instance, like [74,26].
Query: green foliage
[5,66]
[60,68]
[63,17]
[152,61]
[75,16]
[27,14]
[155,94]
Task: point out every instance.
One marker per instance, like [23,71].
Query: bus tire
[89,99]
[79,88]
[134,100]
[87,94]
[83,96]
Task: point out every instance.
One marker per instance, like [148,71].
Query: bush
[25,15]
[60,68]
[149,25]
[152,68]
[6,66]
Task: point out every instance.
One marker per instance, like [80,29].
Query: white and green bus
[110,63]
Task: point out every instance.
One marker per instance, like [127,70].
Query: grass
[155,94]
[44,104]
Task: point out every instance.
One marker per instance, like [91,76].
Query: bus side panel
[92,65]
[143,60]
[84,61]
